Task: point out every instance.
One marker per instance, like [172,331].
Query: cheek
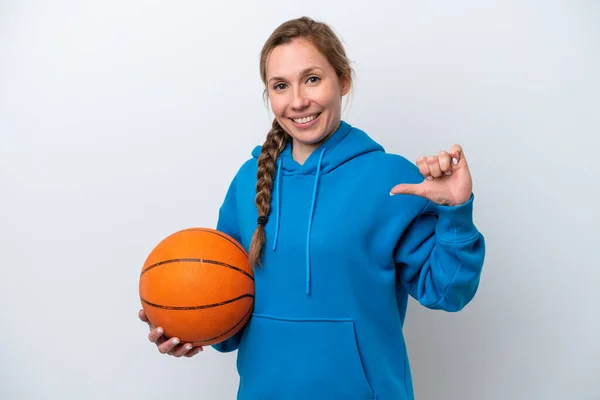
[277,105]
[329,97]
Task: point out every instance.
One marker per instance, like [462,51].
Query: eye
[279,86]
[313,79]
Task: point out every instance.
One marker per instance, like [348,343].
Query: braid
[273,146]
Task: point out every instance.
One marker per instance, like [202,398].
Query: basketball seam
[229,330]
[185,308]
[221,234]
[196,260]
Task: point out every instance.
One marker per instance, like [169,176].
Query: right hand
[168,346]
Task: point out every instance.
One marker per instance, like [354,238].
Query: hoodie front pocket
[301,359]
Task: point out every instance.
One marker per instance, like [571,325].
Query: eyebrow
[304,72]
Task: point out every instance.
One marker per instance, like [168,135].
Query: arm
[439,258]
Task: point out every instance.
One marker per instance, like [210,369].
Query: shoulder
[247,170]
[395,167]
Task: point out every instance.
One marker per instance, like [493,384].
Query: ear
[345,82]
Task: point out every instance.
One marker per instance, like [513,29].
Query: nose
[300,100]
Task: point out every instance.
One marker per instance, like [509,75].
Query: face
[305,92]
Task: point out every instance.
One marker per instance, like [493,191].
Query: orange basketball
[197,284]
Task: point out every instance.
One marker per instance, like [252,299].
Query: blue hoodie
[340,259]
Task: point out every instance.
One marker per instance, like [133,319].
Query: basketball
[197,284]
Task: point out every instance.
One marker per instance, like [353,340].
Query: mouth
[306,119]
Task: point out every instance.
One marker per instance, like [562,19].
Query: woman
[341,233]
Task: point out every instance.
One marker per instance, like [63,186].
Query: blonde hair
[328,44]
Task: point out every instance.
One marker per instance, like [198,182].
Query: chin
[309,139]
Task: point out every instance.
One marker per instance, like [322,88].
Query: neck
[301,151]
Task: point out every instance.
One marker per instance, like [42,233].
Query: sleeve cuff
[455,223]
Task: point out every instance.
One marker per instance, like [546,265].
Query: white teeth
[305,119]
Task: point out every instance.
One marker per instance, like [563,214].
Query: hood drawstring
[310,219]
[277,196]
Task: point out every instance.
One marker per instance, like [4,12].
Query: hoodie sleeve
[228,224]
[439,257]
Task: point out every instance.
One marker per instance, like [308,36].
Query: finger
[180,351]
[155,334]
[168,345]
[445,160]
[160,340]
[424,168]
[142,316]
[194,351]
[456,152]
[407,188]
[434,166]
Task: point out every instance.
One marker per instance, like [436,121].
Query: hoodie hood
[341,146]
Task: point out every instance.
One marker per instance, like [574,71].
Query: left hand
[448,180]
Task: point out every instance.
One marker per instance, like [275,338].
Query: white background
[124,121]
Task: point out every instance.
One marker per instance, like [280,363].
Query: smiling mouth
[305,120]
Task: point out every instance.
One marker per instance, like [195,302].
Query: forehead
[291,59]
